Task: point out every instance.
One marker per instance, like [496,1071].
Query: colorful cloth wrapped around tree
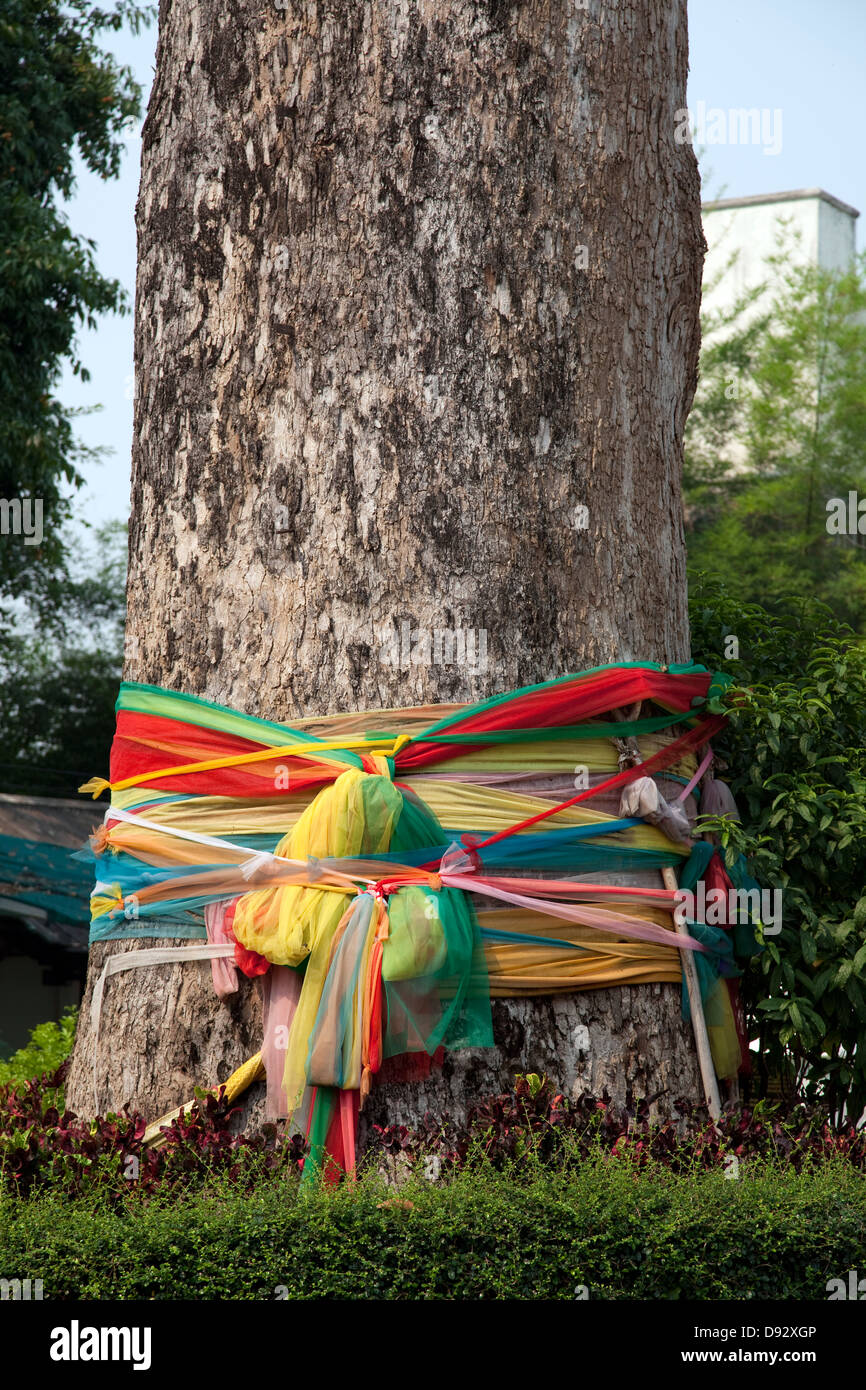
[388,873]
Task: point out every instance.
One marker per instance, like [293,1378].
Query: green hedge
[772,1233]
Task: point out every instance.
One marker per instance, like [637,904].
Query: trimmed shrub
[617,1231]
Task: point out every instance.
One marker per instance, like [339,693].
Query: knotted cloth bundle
[387,873]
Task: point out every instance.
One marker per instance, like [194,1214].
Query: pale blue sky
[803,58]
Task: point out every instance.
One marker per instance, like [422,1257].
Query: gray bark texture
[416,338]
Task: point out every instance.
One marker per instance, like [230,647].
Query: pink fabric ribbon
[281,990]
[223,971]
[698,775]
[633,927]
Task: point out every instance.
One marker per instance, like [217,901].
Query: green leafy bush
[605,1228]
[796,749]
[49,1045]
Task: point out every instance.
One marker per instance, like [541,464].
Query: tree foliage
[61,95]
[58,685]
[778,428]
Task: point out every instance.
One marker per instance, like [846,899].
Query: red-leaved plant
[535,1120]
[41,1146]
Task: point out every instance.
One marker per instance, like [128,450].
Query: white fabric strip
[131,960]
[254,856]
[256,859]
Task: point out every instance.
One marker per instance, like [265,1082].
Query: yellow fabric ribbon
[311,751]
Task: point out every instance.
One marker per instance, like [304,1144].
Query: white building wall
[748,228]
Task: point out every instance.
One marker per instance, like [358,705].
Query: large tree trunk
[416,337]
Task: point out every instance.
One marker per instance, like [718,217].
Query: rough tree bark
[416,337]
